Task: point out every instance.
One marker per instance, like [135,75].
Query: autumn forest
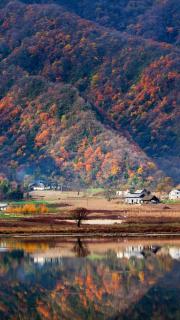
[89,91]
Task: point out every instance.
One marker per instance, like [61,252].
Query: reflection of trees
[81,249]
[97,287]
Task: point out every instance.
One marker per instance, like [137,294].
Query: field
[101,207]
[104,217]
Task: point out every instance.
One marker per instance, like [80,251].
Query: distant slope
[153,19]
[131,84]
[50,130]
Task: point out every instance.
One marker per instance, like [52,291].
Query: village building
[3,206]
[136,197]
[37,186]
[150,199]
[174,194]
[141,197]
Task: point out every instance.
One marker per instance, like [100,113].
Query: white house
[136,197]
[174,194]
[3,206]
[39,186]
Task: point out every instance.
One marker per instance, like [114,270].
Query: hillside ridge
[130,86]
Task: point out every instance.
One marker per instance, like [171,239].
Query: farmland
[128,219]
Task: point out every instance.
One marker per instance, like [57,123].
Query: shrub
[28,209]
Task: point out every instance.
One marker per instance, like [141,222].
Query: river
[89,279]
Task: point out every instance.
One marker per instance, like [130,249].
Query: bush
[28,209]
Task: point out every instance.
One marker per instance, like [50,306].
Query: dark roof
[138,194]
[150,198]
[133,195]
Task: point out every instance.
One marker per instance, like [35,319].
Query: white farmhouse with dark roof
[136,197]
[141,197]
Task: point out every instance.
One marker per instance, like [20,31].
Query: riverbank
[54,225]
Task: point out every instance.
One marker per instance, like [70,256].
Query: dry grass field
[101,207]
[111,217]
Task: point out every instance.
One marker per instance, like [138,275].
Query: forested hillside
[153,19]
[85,101]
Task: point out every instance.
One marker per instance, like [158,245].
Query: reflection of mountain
[94,287]
[160,302]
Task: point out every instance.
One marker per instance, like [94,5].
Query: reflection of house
[52,255]
[3,206]
[174,194]
[138,252]
[43,260]
[130,252]
[174,253]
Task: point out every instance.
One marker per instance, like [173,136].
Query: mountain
[152,19]
[88,99]
[52,130]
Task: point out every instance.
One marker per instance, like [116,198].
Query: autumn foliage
[88,103]
[28,209]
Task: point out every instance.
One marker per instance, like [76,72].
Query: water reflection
[85,279]
[81,249]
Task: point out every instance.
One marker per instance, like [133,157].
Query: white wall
[174,194]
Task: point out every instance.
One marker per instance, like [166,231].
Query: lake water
[77,279]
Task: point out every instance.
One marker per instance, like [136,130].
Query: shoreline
[51,226]
[89,235]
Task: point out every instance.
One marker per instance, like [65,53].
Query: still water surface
[77,279]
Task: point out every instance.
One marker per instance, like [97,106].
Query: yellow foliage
[141,276]
[114,170]
[67,47]
[95,79]
[43,209]
[28,209]
[140,170]
[151,165]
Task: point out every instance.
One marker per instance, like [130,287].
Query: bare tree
[79,214]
